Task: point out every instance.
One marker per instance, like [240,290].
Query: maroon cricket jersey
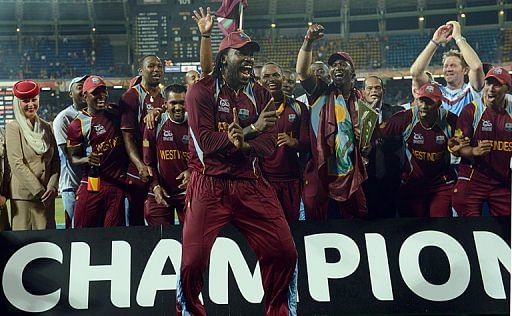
[99,134]
[210,105]
[166,148]
[134,104]
[479,122]
[294,121]
[426,148]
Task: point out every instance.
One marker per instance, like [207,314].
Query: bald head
[191,77]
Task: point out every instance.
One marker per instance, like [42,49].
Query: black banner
[400,266]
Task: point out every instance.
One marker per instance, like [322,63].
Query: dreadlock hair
[217,68]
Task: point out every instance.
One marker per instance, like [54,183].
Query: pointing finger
[235,116]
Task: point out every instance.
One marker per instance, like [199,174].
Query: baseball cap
[341,55]
[25,89]
[238,39]
[92,83]
[431,91]
[76,80]
[500,74]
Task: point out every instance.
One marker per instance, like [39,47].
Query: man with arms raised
[134,105]
[335,174]
[226,184]
[456,93]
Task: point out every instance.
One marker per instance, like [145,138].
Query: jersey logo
[486,126]
[149,106]
[99,129]
[168,136]
[243,114]
[184,139]
[223,106]
[418,139]
[440,139]
[292,117]
[508,127]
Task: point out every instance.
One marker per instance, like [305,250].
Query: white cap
[75,80]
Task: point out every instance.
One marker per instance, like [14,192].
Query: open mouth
[272,86]
[339,75]
[246,72]
[156,77]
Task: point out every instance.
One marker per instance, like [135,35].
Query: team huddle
[234,145]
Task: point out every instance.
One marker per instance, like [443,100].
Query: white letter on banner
[226,253]
[152,279]
[378,265]
[319,270]
[492,250]
[81,273]
[459,268]
[12,279]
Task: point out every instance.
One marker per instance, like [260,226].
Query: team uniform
[134,105]
[226,186]
[283,169]
[485,178]
[427,178]
[69,175]
[99,134]
[334,175]
[165,148]
[455,100]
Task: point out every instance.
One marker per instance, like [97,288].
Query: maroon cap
[238,39]
[25,89]
[500,74]
[341,55]
[92,83]
[431,91]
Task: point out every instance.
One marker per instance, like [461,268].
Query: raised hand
[456,33]
[315,32]
[204,21]
[443,34]
[267,118]
[235,132]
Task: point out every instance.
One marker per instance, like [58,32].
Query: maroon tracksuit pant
[252,206]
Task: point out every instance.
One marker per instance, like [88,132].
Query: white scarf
[34,134]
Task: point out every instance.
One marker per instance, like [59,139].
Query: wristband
[435,43]
[205,36]
[462,38]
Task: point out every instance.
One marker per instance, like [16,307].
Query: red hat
[238,39]
[25,89]
[500,74]
[341,55]
[92,83]
[431,91]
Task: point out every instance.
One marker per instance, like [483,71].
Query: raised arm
[441,36]
[476,73]
[305,57]
[205,25]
